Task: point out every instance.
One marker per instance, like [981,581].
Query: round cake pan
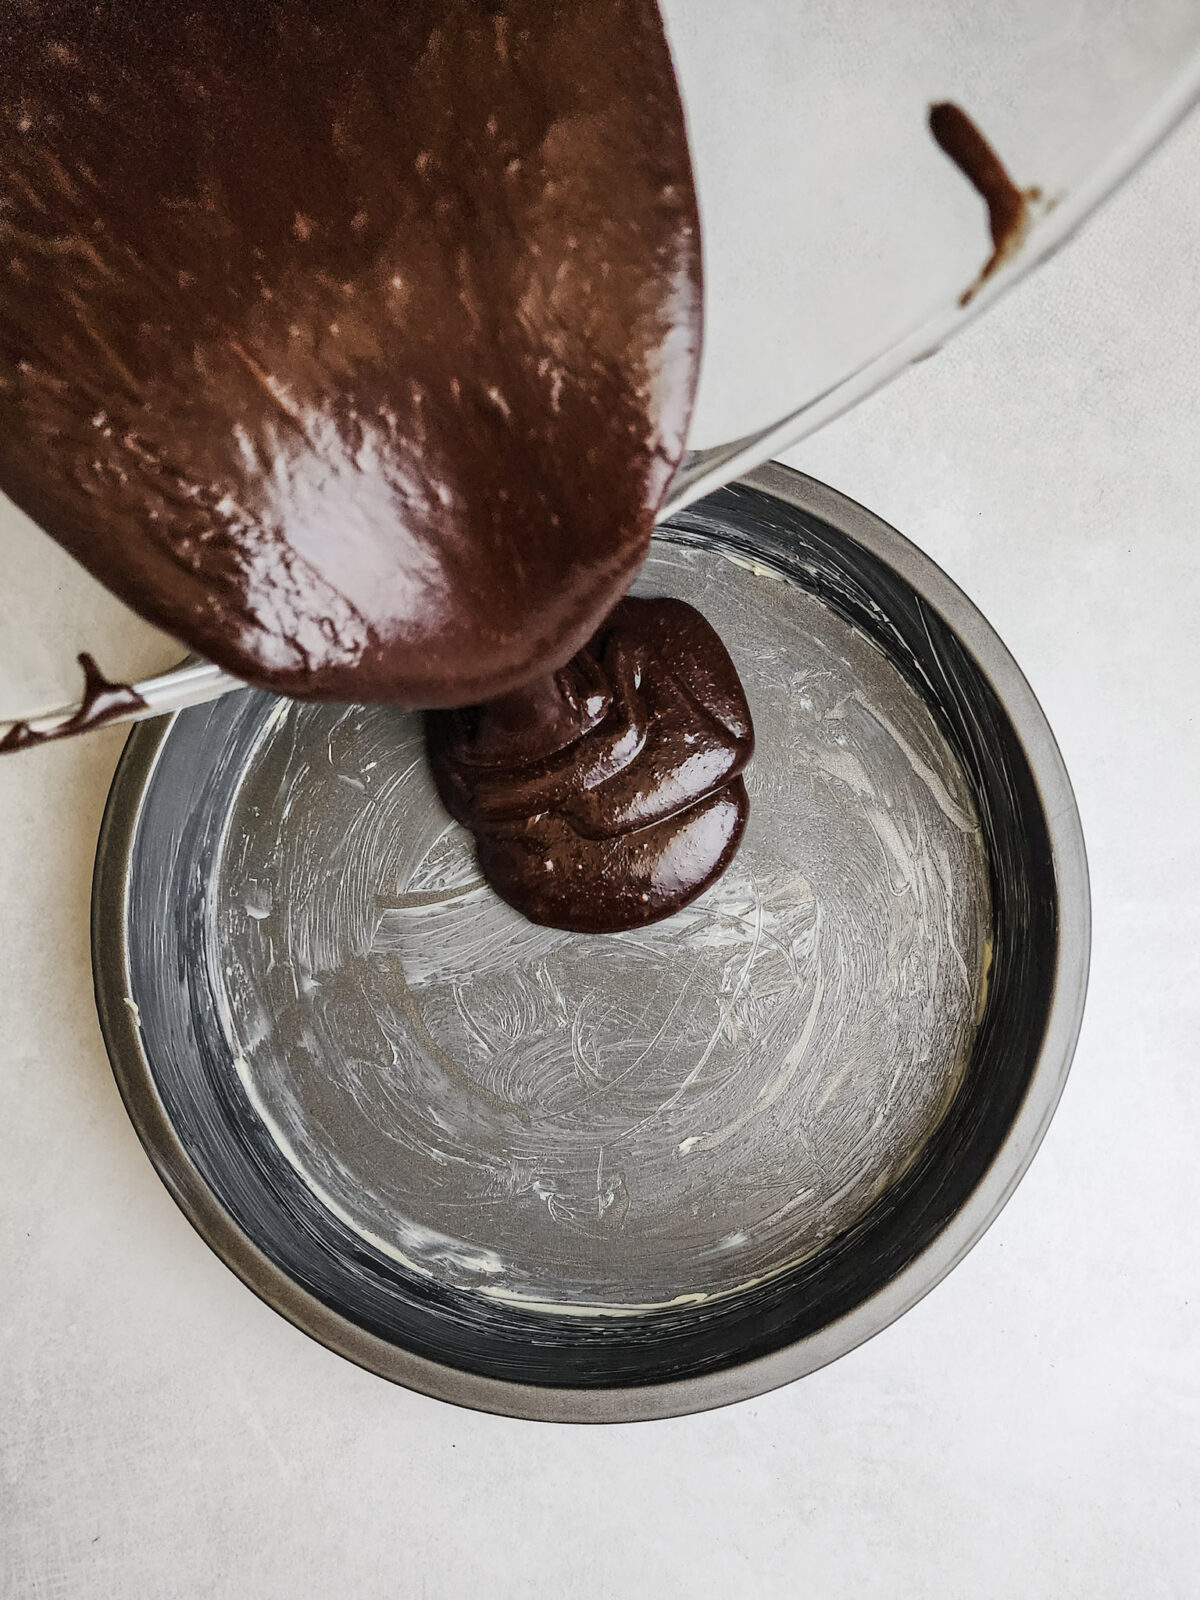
[604,1178]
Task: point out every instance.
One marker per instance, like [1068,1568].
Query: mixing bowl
[606,1178]
[840,243]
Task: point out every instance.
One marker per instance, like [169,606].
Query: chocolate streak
[353,344]
[609,794]
[1007,205]
[103,701]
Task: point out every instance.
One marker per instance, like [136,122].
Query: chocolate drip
[353,344]
[1007,205]
[103,701]
[609,794]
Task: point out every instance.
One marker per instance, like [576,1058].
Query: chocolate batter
[608,794]
[352,343]
[102,701]
[355,345]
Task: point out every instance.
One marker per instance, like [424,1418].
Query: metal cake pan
[585,1178]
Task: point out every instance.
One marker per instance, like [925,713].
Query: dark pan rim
[135,1080]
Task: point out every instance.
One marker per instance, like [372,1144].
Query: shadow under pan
[609,1177]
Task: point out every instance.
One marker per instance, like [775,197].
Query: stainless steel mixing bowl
[602,1179]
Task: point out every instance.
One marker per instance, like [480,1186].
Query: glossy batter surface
[352,344]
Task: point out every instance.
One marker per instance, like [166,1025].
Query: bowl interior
[601,1163]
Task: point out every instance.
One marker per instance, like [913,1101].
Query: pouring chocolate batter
[609,794]
[355,345]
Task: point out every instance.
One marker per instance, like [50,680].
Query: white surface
[1030,1432]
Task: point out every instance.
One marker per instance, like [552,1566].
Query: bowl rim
[135,1080]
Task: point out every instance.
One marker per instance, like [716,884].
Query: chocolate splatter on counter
[1008,206]
[609,794]
[103,701]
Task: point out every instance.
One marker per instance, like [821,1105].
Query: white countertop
[1031,1430]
